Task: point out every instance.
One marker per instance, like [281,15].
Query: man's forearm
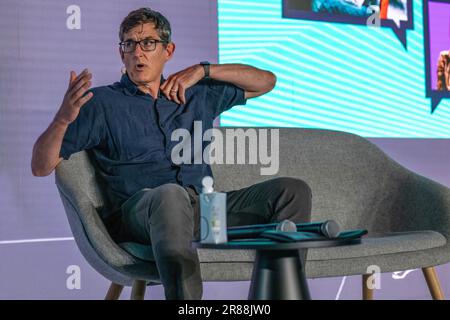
[46,149]
[253,81]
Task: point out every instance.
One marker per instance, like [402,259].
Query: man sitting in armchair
[127,127]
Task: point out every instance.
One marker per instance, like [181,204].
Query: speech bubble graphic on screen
[436,36]
[394,14]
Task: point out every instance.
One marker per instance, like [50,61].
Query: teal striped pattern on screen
[334,76]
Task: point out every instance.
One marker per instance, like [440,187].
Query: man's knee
[171,197]
[292,186]
[171,191]
[293,199]
[171,205]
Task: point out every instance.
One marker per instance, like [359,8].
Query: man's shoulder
[107,93]
[208,84]
[212,82]
[107,90]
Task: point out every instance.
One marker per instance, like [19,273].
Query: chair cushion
[380,244]
[370,246]
[140,251]
[376,244]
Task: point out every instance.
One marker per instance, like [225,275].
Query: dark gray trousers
[167,217]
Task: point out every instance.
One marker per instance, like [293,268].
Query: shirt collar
[131,88]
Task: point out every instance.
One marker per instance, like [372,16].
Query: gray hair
[146,15]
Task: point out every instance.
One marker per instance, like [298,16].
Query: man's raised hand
[75,97]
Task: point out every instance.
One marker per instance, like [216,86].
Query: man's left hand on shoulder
[255,82]
[174,88]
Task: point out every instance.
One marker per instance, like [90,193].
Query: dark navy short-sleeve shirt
[128,134]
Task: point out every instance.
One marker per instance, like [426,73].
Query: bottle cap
[207,183]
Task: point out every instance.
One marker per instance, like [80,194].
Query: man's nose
[138,50]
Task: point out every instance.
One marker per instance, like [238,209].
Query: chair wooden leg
[138,290]
[433,283]
[114,291]
[367,293]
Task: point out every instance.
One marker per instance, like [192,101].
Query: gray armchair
[353,182]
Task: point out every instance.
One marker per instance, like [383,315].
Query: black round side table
[278,270]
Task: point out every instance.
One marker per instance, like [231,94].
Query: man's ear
[170,49]
[122,56]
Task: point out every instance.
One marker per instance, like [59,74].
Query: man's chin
[140,79]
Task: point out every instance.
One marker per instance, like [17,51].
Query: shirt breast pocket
[144,148]
[186,120]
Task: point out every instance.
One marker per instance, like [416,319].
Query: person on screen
[126,127]
[356,8]
[387,9]
[443,71]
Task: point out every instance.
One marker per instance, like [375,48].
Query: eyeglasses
[145,44]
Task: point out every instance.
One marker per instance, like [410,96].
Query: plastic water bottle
[213,208]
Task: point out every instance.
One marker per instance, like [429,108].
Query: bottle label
[213,227]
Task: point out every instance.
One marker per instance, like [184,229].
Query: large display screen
[364,67]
